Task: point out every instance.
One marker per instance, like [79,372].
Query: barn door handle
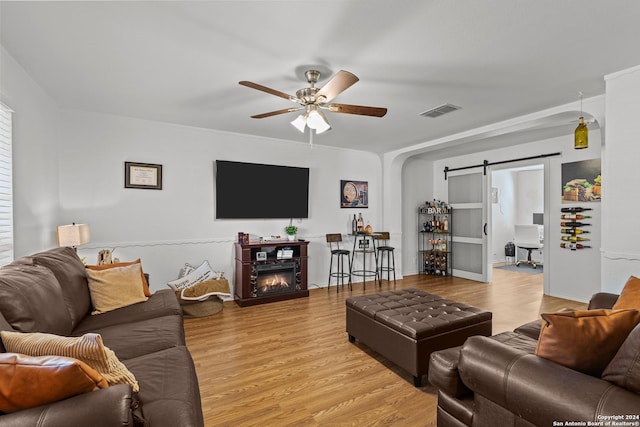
[485,228]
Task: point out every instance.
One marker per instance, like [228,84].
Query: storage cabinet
[434,238]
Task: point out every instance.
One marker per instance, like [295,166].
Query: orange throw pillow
[88,348]
[26,382]
[630,295]
[145,285]
[585,341]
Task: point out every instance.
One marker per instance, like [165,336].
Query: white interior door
[467,195]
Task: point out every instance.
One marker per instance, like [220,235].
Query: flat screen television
[252,191]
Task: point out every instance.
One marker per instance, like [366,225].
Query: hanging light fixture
[581,134]
[312,118]
[300,122]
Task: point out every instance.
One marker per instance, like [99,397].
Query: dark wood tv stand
[272,279]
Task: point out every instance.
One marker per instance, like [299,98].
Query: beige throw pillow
[145,284]
[87,348]
[115,287]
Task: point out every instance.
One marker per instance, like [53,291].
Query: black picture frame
[146,176]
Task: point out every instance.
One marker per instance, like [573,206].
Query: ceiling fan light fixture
[323,129]
[318,121]
[300,122]
[311,99]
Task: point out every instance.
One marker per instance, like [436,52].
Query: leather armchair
[498,380]
[602,300]
[535,389]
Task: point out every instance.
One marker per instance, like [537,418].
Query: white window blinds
[6,187]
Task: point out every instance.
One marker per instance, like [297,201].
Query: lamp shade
[300,122]
[317,120]
[73,235]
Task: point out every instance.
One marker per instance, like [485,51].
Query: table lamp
[73,235]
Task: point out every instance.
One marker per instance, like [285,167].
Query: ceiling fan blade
[357,109]
[268,90]
[340,82]
[275,113]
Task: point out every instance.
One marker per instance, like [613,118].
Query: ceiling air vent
[439,111]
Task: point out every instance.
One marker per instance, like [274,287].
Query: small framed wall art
[142,175]
[354,194]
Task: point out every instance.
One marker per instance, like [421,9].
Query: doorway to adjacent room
[517,198]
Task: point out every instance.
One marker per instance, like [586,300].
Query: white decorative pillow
[87,348]
[115,287]
[200,274]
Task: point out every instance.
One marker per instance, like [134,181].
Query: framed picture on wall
[354,194]
[142,175]
[581,181]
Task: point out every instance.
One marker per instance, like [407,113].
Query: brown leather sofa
[499,381]
[48,292]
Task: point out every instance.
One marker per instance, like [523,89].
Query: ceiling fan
[314,100]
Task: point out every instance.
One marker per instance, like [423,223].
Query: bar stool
[384,248]
[362,246]
[339,274]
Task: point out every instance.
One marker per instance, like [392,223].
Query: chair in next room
[340,274]
[384,249]
[527,238]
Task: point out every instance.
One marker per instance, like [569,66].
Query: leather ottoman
[406,326]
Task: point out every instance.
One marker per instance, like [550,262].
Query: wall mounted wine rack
[572,223]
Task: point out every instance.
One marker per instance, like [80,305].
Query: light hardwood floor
[289,363]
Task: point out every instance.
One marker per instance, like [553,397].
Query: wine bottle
[445,224]
[573,231]
[573,224]
[574,239]
[360,224]
[354,225]
[573,246]
[577,209]
[576,216]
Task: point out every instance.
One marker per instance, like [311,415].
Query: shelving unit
[434,238]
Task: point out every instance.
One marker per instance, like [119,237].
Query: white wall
[621,175]
[503,213]
[35,169]
[177,224]
[530,195]
[417,188]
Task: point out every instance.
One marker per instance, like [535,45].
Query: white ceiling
[180,62]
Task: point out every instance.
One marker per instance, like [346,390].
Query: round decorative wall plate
[350,192]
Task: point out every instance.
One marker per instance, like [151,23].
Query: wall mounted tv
[251,190]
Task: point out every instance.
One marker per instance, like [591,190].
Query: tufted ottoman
[406,326]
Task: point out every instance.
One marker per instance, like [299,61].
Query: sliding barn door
[467,197]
